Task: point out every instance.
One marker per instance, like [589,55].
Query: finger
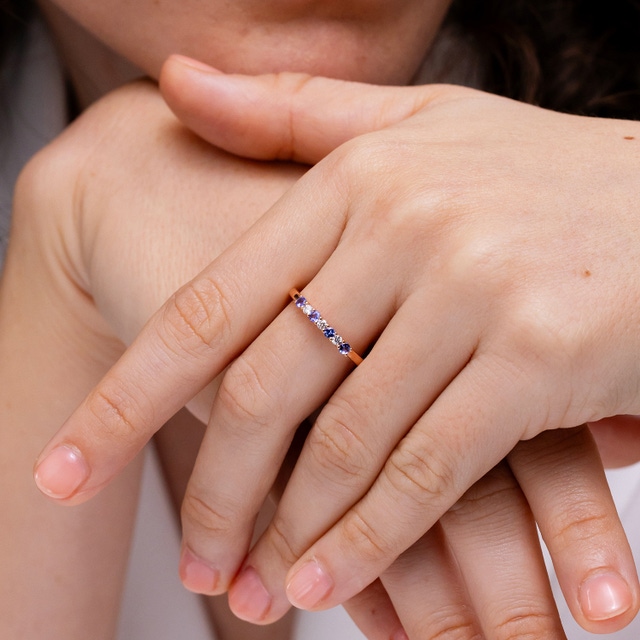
[618,440]
[361,424]
[283,116]
[561,475]
[493,538]
[374,614]
[425,474]
[190,340]
[254,413]
[427,591]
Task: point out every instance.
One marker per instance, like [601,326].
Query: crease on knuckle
[119,415]
[579,523]
[337,448]
[476,507]
[412,475]
[244,396]
[280,541]
[214,522]
[200,310]
[454,622]
[362,536]
[296,88]
[526,624]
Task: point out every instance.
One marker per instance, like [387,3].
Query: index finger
[191,339]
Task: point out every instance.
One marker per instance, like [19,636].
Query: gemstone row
[315,318]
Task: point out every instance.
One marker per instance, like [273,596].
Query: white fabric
[156,607]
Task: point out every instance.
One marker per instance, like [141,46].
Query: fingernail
[196,575]
[400,635]
[248,597]
[61,472]
[195,64]
[309,586]
[604,596]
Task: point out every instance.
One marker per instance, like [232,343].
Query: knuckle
[121,414]
[279,539]
[369,155]
[199,513]
[582,521]
[336,447]
[200,310]
[295,85]
[361,535]
[493,498]
[245,396]
[420,477]
[527,624]
[450,623]
[479,258]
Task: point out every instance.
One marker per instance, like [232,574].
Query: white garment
[156,607]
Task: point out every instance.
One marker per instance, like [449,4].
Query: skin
[370,40]
[146,54]
[96,250]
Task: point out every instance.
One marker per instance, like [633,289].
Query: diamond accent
[328,331]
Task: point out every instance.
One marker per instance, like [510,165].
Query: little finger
[561,475]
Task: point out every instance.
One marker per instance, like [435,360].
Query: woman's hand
[456,236]
[103,252]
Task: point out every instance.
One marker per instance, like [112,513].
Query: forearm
[62,569]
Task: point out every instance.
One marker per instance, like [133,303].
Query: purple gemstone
[344,348]
[329,332]
[314,316]
[300,302]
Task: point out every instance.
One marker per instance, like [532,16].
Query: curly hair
[577,56]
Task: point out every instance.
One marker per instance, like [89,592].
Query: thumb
[284,116]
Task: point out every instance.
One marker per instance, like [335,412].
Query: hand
[100,252]
[494,357]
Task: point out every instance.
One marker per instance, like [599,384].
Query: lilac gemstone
[314,316]
[329,332]
[344,348]
[300,302]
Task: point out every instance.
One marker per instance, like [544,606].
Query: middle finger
[353,436]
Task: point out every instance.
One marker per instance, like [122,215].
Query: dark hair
[578,56]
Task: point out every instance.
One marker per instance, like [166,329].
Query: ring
[328,331]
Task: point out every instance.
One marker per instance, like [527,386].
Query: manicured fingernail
[248,597]
[197,65]
[309,586]
[604,596]
[61,472]
[400,635]
[197,575]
